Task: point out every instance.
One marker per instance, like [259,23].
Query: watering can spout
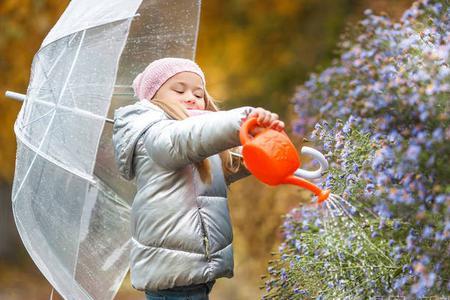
[322,195]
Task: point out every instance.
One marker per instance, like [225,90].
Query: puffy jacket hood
[130,122]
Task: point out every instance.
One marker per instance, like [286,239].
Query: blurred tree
[24,25]
[256,52]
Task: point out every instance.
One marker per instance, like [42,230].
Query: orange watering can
[272,158]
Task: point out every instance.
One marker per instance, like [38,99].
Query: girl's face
[187,88]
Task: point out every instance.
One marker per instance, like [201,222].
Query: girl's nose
[189,101]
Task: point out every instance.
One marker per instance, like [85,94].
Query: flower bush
[381,115]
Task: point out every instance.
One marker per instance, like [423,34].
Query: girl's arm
[174,144]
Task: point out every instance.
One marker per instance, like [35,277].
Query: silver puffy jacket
[181,228]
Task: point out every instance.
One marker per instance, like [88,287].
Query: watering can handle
[247,126]
[319,157]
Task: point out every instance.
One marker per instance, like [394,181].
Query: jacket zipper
[205,237]
[207,247]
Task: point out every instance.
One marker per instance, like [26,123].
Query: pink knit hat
[147,83]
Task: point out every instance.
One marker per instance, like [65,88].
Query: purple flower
[384,132]
[427,232]
[298,246]
[397,225]
[284,276]
[413,151]
[441,198]
[400,282]
[299,291]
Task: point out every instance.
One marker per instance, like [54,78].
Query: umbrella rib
[66,108]
[51,68]
[38,118]
[85,28]
[24,179]
[47,157]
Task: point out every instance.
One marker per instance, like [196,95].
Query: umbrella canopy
[70,206]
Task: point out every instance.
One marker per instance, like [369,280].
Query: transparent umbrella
[70,206]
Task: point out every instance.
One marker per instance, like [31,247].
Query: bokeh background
[253,53]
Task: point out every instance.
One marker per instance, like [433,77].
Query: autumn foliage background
[253,53]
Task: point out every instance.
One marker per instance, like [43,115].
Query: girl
[182,164]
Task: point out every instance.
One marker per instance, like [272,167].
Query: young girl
[182,164]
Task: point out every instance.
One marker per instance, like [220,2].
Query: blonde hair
[230,163]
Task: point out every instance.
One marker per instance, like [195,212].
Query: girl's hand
[265,119]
